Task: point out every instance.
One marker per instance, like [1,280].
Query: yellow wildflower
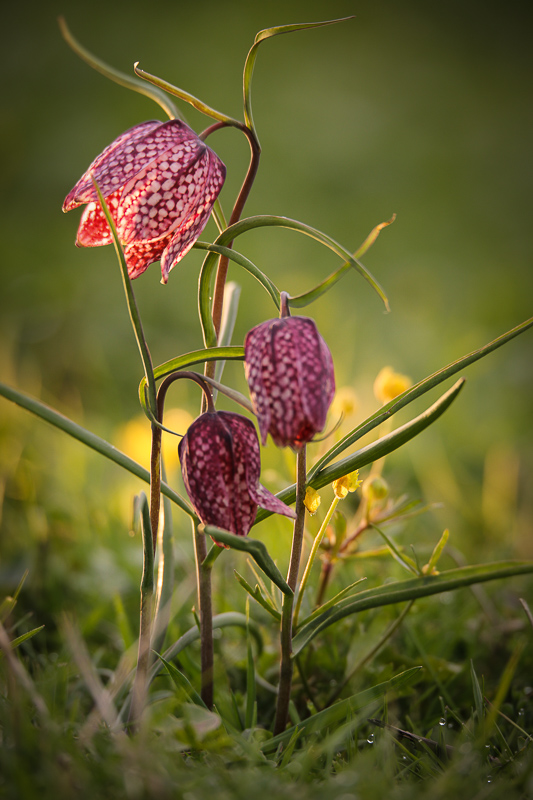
[348,483]
[312,500]
[390,384]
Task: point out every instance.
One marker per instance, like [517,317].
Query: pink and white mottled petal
[207,467]
[256,366]
[139,255]
[245,448]
[93,229]
[162,196]
[197,216]
[270,502]
[83,191]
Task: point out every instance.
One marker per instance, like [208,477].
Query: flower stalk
[140,685]
[287,666]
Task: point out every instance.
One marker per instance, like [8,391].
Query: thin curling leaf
[255,548]
[412,589]
[413,393]
[262,221]
[90,439]
[184,362]
[115,75]
[366,455]
[305,299]
[183,95]
[204,284]
[132,304]
[258,596]
[268,33]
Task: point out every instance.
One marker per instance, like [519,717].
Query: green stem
[132,305]
[203,573]
[312,555]
[286,667]
[140,686]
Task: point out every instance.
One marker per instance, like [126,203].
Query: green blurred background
[423,109]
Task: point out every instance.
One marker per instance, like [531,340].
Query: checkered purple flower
[160,182]
[220,464]
[290,376]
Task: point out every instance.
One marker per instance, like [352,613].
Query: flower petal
[207,466]
[83,191]
[93,230]
[161,195]
[203,198]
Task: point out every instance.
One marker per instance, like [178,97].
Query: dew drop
[370,738]
[442,721]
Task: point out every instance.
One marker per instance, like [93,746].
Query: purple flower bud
[220,464]
[290,375]
[160,182]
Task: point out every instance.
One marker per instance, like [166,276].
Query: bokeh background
[422,109]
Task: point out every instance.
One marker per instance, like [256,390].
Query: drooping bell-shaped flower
[220,464]
[289,370]
[159,181]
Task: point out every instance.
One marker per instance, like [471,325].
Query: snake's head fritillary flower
[159,181]
[220,464]
[290,376]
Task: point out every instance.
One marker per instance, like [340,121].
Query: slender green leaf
[405,561]
[135,317]
[230,308]
[90,439]
[333,602]
[436,554]
[258,596]
[183,95]
[190,359]
[413,393]
[251,707]
[182,682]
[305,299]
[478,694]
[366,455]
[268,33]
[218,249]
[411,589]
[250,223]
[339,712]
[24,638]
[119,77]
[233,394]
[253,547]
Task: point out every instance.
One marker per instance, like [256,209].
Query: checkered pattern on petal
[202,200]
[290,375]
[160,181]
[206,458]
[93,230]
[83,191]
[220,464]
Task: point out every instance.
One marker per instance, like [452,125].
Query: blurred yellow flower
[390,384]
[345,402]
[135,437]
[312,500]
[348,483]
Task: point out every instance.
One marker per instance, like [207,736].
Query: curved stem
[220,281]
[286,667]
